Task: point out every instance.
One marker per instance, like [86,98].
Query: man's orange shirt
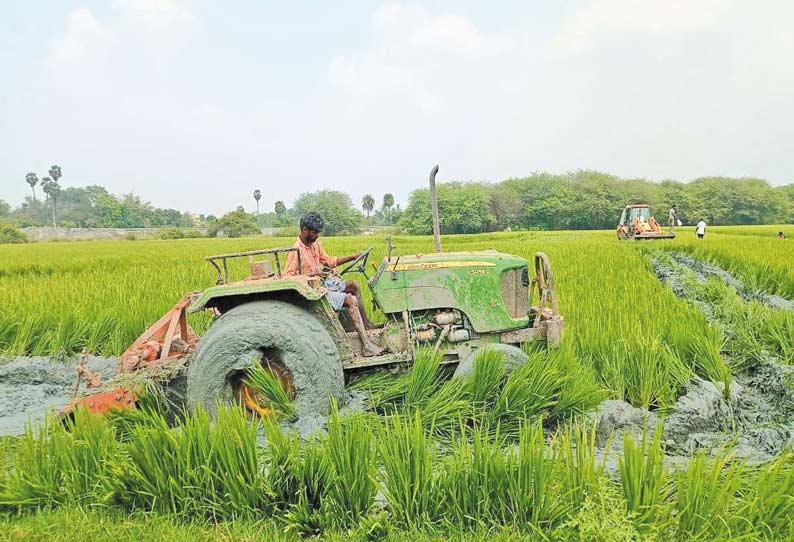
[312,257]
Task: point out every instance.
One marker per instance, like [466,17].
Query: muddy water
[31,387]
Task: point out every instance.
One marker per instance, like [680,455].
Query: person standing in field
[701,229]
[780,235]
[672,217]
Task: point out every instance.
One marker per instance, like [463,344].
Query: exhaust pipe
[434,208]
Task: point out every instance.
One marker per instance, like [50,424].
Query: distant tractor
[636,222]
[454,303]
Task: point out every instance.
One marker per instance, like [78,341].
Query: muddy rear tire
[513,357]
[245,333]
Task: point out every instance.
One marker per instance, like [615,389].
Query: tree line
[593,200]
[88,207]
[577,200]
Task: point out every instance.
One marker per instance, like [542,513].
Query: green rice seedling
[283,460]
[147,408]
[643,477]
[645,371]
[582,474]
[601,518]
[306,516]
[530,390]
[486,378]
[58,465]
[351,488]
[769,503]
[201,468]
[423,380]
[423,389]
[579,392]
[263,380]
[779,332]
[705,352]
[472,484]
[235,464]
[384,389]
[705,493]
[407,479]
[533,493]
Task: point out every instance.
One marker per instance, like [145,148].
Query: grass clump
[643,478]
[264,381]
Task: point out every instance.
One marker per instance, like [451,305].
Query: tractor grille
[515,286]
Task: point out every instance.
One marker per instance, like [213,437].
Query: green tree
[236,223]
[32,179]
[52,190]
[462,208]
[336,209]
[368,203]
[10,234]
[280,209]
[388,201]
[257,197]
[55,173]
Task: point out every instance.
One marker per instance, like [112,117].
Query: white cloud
[154,15]
[410,48]
[84,35]
[602,18]
[456,34]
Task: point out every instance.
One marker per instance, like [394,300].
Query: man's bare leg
[367,347]
[351,287]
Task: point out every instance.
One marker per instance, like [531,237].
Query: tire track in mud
[33,387]
[702,270]
[758,413]
[757,417]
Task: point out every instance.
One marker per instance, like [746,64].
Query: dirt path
[30,387]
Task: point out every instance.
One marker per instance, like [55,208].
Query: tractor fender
[297,288]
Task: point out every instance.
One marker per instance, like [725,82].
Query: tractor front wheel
[512,357]
[277,334]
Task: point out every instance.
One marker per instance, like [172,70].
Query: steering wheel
[359,265]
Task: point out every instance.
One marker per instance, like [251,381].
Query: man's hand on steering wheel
[358,264]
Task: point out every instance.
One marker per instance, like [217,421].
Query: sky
[193,105]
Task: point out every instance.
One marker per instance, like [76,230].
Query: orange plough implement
[165,344]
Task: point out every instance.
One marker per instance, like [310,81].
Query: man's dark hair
[312,221]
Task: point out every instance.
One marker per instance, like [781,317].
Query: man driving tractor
[340,292]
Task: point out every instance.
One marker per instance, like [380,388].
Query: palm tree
[257,197]
[52,190]
[55,188]
[46,187]
[368,203]
[55,173]
[388,201]
[32,179]
[280,208]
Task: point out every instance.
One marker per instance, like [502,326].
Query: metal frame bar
[223,274]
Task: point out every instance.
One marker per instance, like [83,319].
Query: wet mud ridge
[32,387]
[757,416]
[703,270]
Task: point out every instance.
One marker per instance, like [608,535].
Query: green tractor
[455,303]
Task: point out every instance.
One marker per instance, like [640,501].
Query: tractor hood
[489,287]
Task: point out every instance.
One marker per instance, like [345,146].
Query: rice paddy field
[693,338]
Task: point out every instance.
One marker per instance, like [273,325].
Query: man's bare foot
[370,350]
